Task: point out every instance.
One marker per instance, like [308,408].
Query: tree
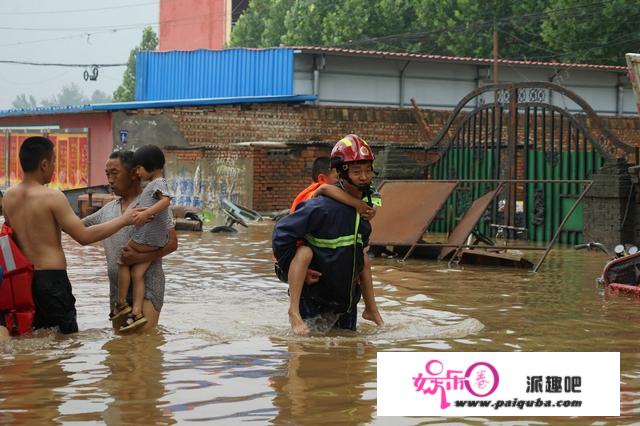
[268,23]
[99,97]
[71,94]
[261,24]
[304,22]
[465,27]
[24,102]
[359,24]
[455,27]
[581,30]
[127,90]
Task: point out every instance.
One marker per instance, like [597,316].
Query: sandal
[133,321]
[121,310]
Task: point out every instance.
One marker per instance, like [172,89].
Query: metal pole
[496,248]
[585,181]
[566,217]
[495,56]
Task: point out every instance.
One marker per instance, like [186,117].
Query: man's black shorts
[55,304]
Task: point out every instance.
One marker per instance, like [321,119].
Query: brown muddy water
[224,353]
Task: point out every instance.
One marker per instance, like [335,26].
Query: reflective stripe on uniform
[7,254]
[334,243]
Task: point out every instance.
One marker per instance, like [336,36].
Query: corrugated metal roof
[214,73]
[45,110]
[118,106]
[458,59]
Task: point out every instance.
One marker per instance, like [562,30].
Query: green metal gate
[519,134]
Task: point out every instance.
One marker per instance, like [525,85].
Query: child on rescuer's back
[150,233]
[324,178]
[298,271]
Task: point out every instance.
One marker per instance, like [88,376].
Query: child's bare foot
[298,325]
[373,315]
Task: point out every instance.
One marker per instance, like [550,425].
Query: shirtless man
[37,214]
[4,333]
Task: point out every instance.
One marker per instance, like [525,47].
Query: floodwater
[224,353]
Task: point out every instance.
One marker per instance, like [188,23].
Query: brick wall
[606,207]
[205,126]
[280,173]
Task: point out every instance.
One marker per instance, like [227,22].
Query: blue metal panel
[119,106]
[214,74]
[45,110]
[202,102]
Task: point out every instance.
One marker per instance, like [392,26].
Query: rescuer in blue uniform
[333,239]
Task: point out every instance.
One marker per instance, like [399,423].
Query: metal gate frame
[490,126]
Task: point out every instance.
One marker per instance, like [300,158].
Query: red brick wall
[280,174]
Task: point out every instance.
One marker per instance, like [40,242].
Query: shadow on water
[224,353]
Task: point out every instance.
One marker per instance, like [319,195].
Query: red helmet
[350,149]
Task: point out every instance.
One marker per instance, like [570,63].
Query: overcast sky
[68,31]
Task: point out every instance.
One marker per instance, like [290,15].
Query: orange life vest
[16,299]
[304,195]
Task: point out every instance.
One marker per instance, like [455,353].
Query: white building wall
[362,81]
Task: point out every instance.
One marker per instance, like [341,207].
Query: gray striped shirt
[153,278]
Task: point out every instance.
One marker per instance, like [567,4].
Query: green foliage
[127,90]
[99,97]
[262,24]
[24,102]
[466,26]
[593,32]
[71,94]
[303,23]
[568,30]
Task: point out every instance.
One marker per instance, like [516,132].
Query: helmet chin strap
[364,188]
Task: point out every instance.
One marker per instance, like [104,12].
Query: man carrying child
[328,235]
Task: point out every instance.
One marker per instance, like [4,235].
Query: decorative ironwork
[609,146]
[503,96]
[524,137]
[532,95]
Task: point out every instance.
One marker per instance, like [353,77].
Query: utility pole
[495,55]
[496,103]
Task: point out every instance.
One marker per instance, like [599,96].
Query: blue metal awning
[118,106]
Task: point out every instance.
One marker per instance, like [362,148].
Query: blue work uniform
[337,236]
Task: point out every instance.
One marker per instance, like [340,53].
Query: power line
[176,22]
[54,64]
[123,26]
[56,12]
[194,18]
